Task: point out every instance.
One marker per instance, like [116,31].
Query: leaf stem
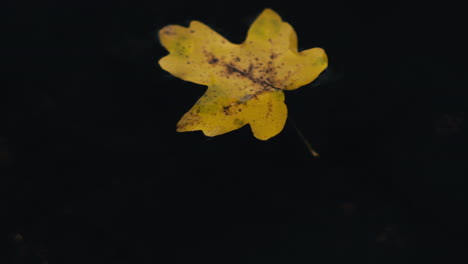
[304,139]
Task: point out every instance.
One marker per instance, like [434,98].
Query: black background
[92,169]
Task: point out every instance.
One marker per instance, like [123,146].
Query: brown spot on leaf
[269,106]
[168,31]
[227,110]
[213,60]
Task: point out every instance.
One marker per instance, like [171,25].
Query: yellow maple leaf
[245,81]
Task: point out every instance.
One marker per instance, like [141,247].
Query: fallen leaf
[245,81]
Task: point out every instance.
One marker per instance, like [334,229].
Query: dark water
[92,169]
